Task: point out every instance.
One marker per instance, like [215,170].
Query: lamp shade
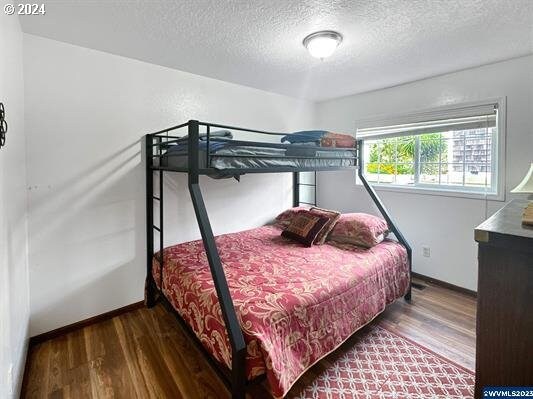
[526,185]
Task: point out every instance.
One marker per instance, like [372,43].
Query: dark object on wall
[3,126]
[504,345]
[200,163]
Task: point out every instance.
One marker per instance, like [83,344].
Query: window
[453,150]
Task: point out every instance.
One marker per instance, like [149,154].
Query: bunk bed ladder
[151,288]
[297,184]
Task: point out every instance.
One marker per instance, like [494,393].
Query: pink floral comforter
[295,304]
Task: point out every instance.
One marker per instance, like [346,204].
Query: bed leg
[238,375]
[150,293]
[238,389]
[407,296]
[239,393]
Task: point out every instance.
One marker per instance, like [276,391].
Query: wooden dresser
[504,347]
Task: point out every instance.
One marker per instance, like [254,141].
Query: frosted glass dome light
[322,44]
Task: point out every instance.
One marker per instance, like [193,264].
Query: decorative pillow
[285,218]
[305,227]
[337,140]
[360,229]
[332,217]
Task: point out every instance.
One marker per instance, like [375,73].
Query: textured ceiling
[258,43]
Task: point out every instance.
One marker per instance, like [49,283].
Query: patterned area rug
[383,364]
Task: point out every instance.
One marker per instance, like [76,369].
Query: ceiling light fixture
[322,44]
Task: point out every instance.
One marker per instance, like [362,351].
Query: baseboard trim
[444,284]
[37,339]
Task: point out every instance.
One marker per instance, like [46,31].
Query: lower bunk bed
[294,304]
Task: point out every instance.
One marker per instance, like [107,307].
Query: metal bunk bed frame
[236,378]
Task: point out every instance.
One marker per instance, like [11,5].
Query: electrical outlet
[426,251]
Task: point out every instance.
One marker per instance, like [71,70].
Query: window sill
[441,193]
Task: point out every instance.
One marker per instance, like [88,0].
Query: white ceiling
[258,43]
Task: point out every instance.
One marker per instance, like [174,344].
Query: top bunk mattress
[295,304]
[250,157]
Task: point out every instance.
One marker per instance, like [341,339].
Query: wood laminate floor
[146,354]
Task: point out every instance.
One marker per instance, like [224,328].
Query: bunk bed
[232,311]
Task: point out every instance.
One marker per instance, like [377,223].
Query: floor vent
[418,286]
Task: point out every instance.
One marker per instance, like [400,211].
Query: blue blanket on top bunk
[214,145]
[217,140]
[304,136]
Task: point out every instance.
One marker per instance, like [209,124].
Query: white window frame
[434,114]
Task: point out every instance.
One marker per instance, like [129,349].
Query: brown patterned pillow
[332,217]
[359,229]
[285,217]
[305,227]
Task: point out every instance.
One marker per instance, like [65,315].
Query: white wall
[86,111]
[444,223]
[14,294]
